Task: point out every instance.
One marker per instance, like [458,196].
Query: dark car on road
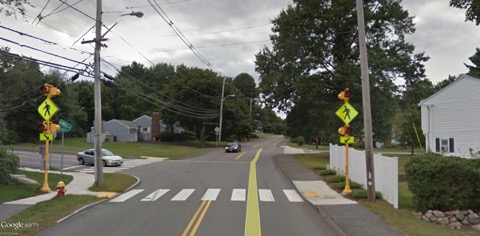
[233,147]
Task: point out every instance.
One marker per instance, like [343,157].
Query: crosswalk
[211,194]
[126,165]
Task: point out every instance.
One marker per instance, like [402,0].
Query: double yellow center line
[198,217]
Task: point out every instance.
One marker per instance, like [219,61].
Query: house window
[444,145]
[145,129]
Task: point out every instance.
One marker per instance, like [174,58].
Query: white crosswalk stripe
[292,195]
[127,195]
[183,195]
[155,195]
[126,165]
[211,194]
[265,195]
[238,195]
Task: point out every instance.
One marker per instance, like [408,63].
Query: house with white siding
[451,119]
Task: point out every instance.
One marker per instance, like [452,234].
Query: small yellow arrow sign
[347,139]
[47,109]
[46,137]
[346,113]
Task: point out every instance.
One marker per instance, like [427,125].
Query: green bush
[300,140]
[443,183]
[341,185]
[336,178]
[319,168]
[184,136]
[8,165]
[328,172]
[363,194]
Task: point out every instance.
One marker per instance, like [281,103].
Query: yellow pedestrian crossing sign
[47,109]
[346,113]
[46,136]
[347,139]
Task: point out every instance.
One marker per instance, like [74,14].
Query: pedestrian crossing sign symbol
[347,139]
[346,113]
[47,109]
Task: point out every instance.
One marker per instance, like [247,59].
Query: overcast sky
[226,33]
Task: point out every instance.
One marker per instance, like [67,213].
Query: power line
[177,31]
[38,50]
[49,64]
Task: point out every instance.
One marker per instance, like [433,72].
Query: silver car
[108,158]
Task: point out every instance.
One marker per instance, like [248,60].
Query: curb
[98,202]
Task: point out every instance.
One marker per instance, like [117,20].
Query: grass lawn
[402,218]
[11,192]
[45,214]
[126,150]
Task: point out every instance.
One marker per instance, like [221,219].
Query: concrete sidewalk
[346,217]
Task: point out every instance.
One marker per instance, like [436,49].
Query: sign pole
[347,190]
[45,188]
[61,161]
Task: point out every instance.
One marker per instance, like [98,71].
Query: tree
[474,70]
[20,81]
[472,9]
[11,7]
[192,98]
[315,55]
[245,83]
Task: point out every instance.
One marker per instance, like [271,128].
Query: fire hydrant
[61,190]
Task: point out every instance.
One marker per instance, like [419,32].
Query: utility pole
[97,97]
[367,114]
[221,111]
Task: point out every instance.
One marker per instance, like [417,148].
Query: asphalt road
[211,194]
[35,160]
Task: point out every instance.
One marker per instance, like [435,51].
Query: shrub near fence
[444,183]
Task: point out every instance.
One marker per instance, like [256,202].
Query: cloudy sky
[225,33]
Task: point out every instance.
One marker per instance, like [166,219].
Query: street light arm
[138,14]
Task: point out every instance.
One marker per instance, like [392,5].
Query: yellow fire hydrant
[61,190]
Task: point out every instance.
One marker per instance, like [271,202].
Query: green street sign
[64,126]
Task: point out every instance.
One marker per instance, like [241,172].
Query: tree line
[186,96]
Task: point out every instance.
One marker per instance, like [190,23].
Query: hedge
[444,183]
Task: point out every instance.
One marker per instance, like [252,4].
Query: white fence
[385,170]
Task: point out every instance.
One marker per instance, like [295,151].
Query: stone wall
[455,219]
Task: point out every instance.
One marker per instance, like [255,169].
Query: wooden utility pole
[367,114]
[98,97]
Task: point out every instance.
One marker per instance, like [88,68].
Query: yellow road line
[203,209]
[194,230]
[252,219]
[240,156]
